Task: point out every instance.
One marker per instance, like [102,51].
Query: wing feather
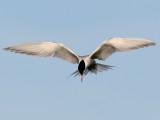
[108,47]
[45,49]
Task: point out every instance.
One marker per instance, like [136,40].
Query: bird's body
[85,63]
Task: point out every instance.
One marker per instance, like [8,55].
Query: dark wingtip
[5,49]
[8,49]
[154,43]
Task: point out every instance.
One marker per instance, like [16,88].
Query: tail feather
[74,73]
[93,69]
[103,67]
[100,68]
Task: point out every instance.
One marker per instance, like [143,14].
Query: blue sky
[38,88]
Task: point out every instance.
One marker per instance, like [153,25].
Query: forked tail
[99,68]
[94,69]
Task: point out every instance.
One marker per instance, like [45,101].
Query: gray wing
[45,49]
[112,45]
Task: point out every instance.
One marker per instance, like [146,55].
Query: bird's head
[81,68]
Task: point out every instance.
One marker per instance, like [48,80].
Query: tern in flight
[85,63]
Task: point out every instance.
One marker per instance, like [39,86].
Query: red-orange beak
[81,76]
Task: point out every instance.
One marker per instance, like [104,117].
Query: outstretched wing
[45,49]
[112,45]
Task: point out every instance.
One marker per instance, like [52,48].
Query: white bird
[86,63]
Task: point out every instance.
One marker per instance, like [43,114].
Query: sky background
[33,88]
